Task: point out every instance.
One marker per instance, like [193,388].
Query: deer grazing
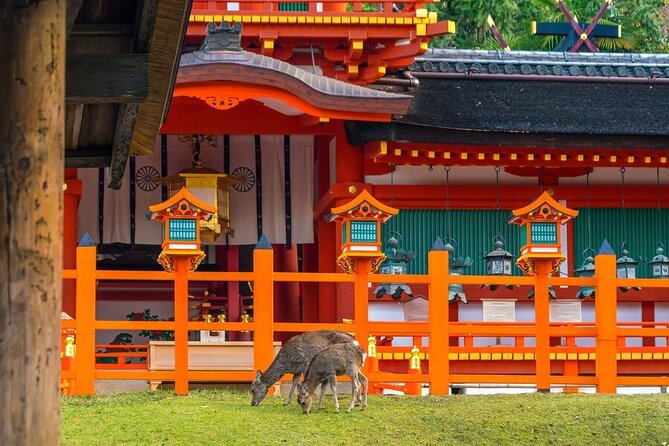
[295,357]
[336,360]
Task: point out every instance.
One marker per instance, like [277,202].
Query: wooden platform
[231,355]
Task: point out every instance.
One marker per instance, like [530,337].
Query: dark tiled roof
[617,66]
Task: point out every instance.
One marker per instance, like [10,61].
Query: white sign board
[499,310]
[565,310]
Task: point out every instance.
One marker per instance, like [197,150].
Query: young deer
[294,357]
[336,360]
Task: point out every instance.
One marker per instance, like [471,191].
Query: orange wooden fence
[604,366]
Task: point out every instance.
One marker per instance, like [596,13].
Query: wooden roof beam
[99,78]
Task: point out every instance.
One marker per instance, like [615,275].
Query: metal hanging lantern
[498,262]
[626,267]
[659,265]
[456,267]
[587,269]
[395,263]
[207,185]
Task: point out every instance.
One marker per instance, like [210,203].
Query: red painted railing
[452,357]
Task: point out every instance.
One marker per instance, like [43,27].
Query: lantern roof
[543,208]
[202,209]
[364,205]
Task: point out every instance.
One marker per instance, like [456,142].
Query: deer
[294,358]
[336,360]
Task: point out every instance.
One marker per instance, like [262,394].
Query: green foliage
[226,418]
[154,335]
[644,23]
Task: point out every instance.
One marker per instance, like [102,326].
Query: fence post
[541,325]
[181,325]
[361,300]
[606,322]
[437,266]
[263,304]
[84,364]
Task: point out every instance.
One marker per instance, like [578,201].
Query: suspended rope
[448,202]
[497,205]
[624,225]
[587,200]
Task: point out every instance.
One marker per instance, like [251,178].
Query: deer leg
[320,398]
[364,382]
[296,380]
[333,386]
[354,391]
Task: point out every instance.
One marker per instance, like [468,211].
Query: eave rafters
[417,154]
[360,43]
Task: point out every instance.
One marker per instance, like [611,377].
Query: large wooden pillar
[32,107]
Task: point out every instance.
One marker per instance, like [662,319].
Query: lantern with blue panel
[540,227]
[181,215]
[360,221]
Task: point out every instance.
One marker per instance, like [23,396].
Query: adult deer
[295,357]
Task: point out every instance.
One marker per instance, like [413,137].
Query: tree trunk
[32,108]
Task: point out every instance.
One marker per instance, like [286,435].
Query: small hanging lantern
[395,263]
[361,220]
[587,269]
[456,267]
[659,264]
[207,185]
[626,268]
[498,262]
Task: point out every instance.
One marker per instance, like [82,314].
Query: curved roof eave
[319,91]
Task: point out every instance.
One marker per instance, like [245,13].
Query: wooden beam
[32,114]
[96,78]
[127,113]
[73,7]
[83,158]
[166,41]
[125,124]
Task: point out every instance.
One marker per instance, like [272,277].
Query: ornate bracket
[529,264]
[168,260]
[349,263]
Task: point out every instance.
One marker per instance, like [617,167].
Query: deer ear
[258,375]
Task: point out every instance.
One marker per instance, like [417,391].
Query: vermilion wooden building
[454,139]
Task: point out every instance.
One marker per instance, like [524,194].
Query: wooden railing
[542,364]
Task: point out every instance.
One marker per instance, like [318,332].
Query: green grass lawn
[227,418]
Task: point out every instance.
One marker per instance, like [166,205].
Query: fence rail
[449,358]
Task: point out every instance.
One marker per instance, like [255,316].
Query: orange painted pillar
[541,324]
[71,198]
[361,299]
[85,321]
[263,307]
[437,266]
[606,367]
[182,266]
